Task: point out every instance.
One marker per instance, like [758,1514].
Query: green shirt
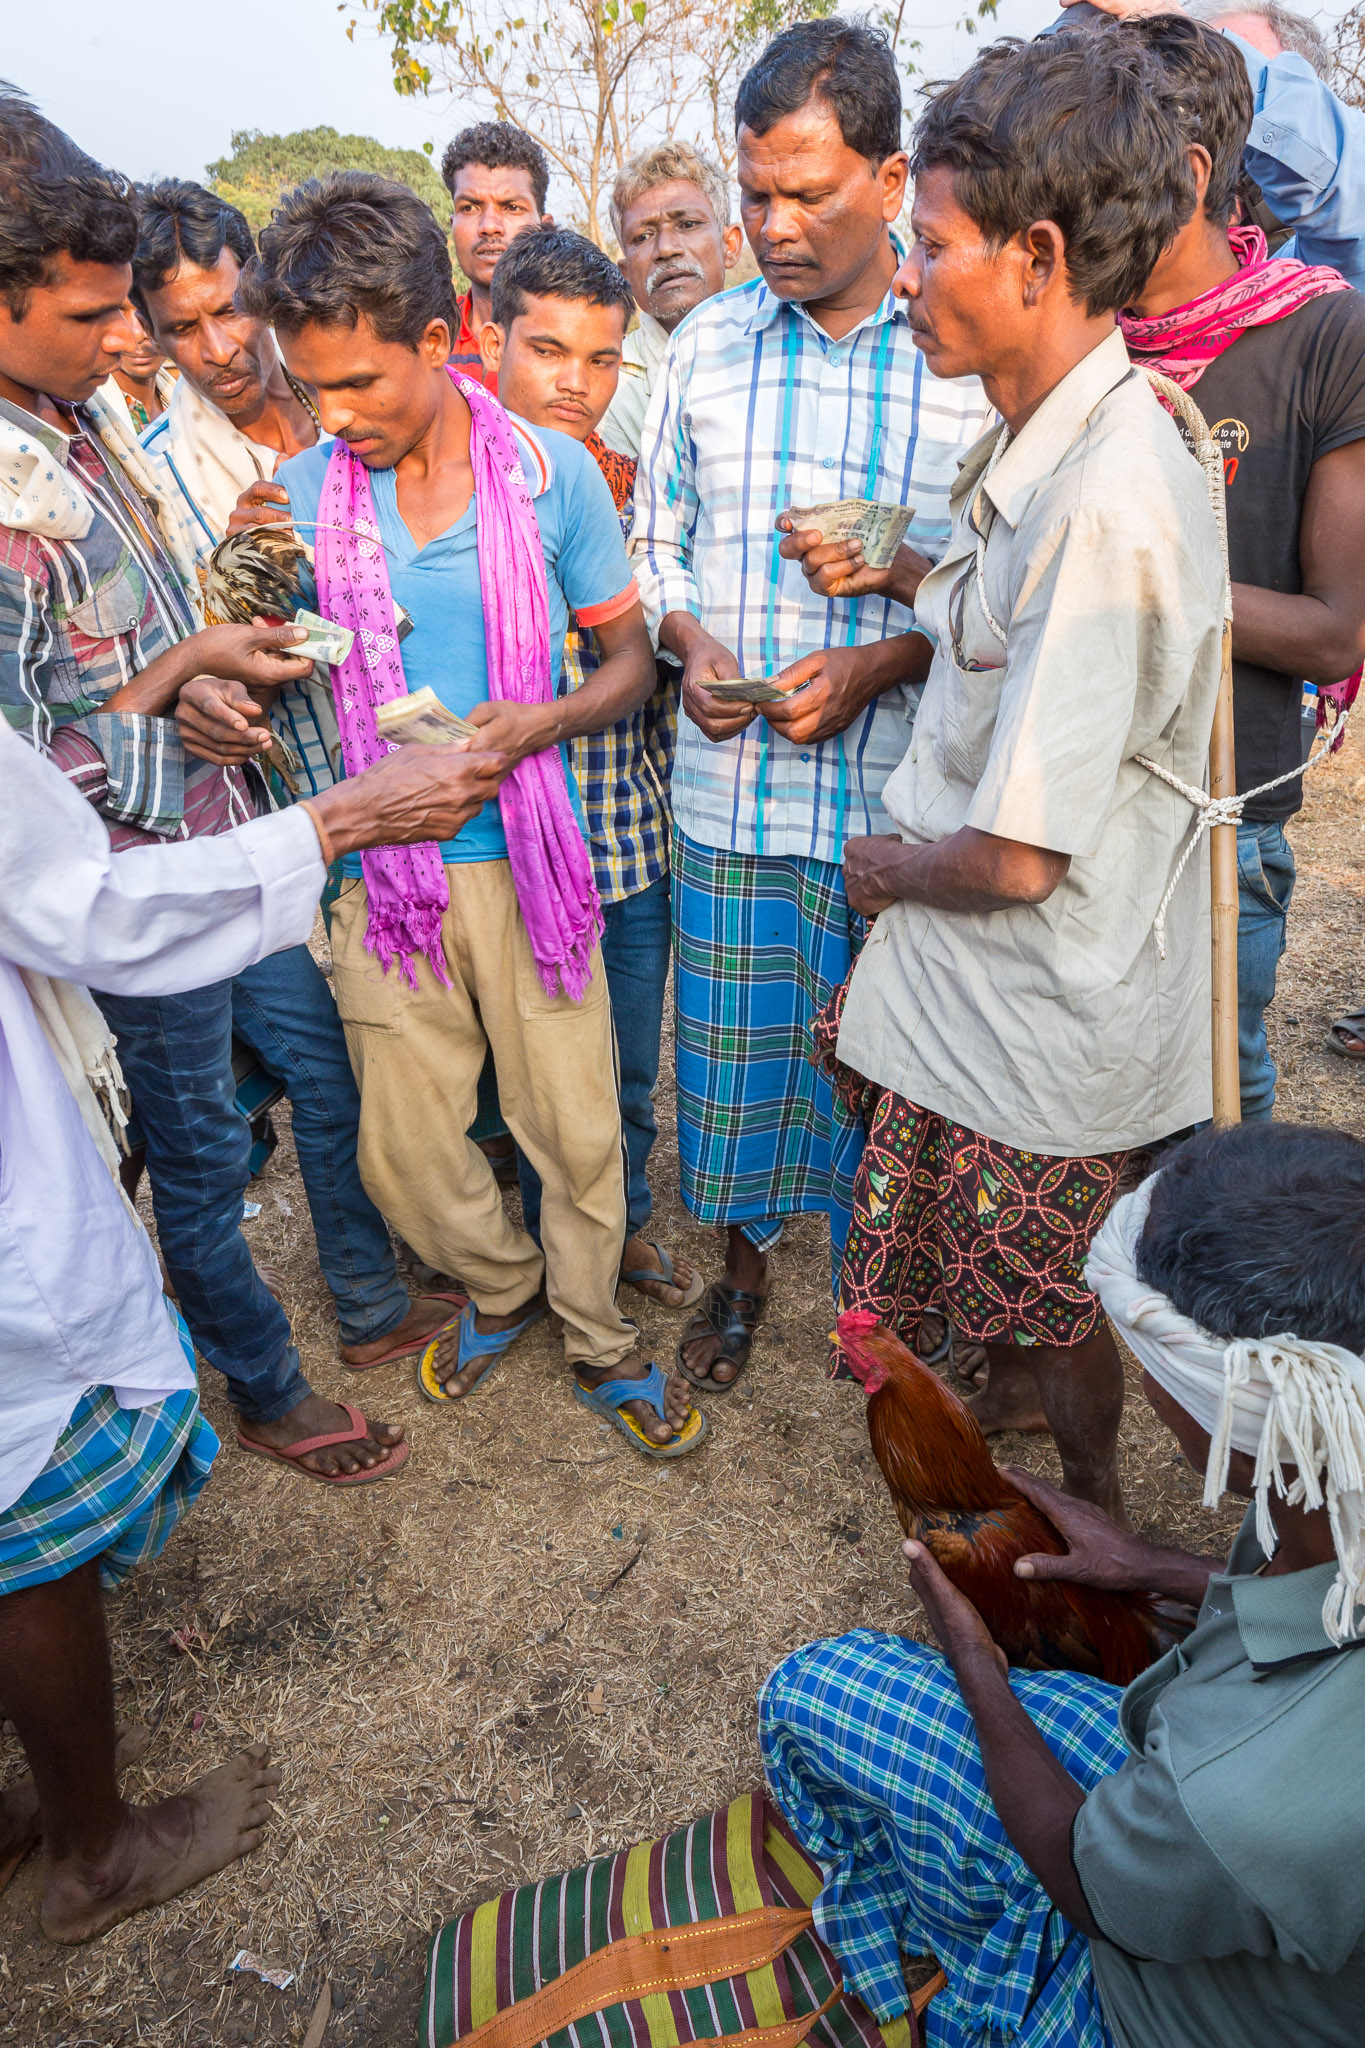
[1225,1862]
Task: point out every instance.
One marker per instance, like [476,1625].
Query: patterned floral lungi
[948,1220]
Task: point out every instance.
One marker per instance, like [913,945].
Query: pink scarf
[551,869]
[1183,342]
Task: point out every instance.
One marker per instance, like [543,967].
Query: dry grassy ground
[534,1646]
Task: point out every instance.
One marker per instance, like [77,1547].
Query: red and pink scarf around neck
[406,885]
[1182,343]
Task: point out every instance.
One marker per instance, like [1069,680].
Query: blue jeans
[177,1060]
[1265,883]
[636,938]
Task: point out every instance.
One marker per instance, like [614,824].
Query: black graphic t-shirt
[1282,396]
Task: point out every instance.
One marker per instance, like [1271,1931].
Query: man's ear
[547,220]
[732,240]
[895,176]
[436,343]
[492,341]
[1043,246]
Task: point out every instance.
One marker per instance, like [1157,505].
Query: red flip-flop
[414,1349]
[358,1431]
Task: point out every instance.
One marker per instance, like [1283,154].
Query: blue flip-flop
[606,1401]
[472,1344]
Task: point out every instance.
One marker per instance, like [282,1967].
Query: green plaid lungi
[116,1484]
[760,943]
[872,1755]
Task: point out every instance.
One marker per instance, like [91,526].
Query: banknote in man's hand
[423,717]
[746,690]
[879,529]
[326,640]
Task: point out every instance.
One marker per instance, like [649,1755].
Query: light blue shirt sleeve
[1306,151]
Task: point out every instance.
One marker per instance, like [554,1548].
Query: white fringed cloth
[1281,1400]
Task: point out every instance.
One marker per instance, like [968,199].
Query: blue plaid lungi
[760,943]
[117,1483]
[872,1756]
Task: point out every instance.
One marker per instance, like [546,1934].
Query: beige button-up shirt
[1056,1027]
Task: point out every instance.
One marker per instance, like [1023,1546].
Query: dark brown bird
[951,1496]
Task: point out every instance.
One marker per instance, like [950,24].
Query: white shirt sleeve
[152,920]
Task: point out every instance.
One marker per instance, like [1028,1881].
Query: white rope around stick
[1220,810]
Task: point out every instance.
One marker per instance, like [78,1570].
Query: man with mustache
[235,415]
[103,670]
[498,178]
[802,386]
[670,208]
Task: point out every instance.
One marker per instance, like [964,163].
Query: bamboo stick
[1227,1093]
[1227,1085]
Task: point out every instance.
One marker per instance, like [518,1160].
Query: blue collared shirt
[757,408]
[1306,151]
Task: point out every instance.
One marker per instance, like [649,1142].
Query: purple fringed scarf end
[405,936]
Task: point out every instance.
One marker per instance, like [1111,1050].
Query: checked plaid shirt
[623,772]
[757,409]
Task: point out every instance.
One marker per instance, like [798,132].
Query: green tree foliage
[261,167]
[593,80]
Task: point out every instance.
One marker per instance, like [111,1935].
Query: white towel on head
[1281,1400]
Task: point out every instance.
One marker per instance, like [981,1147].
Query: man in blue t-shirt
[354,276]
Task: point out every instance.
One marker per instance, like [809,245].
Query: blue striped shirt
[757,409]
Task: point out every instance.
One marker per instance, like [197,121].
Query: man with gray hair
[670,209]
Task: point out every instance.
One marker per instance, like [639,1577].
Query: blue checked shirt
[758,409]
[623,776]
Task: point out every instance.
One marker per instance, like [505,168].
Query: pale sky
[280,65]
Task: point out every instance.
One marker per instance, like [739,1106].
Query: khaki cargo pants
[417,1055]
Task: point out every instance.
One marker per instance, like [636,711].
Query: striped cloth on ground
[118,1481]
[760,944]
[872,1756]
[733,1861]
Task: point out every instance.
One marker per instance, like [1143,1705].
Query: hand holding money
[853,547]
[421,716]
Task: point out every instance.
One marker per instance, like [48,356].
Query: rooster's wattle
[950,1495]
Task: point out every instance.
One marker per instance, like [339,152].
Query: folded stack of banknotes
[326,641]
[421,716]
[747,690]
[879,529]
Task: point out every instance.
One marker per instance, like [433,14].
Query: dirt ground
[533,1647]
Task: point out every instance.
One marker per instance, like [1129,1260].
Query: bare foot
[316,1417]
[641,1255]
[20,1826]
[747,1271]
[271,1278]
[162,1850]
[457,1384]
[677,1398]
[411,1335]
[1009,1403]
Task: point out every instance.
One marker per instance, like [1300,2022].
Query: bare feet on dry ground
[162,1850]
[20,1830]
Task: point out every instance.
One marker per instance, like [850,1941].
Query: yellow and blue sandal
[472,1344]
[607,1399]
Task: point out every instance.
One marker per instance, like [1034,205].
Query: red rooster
[950,1495]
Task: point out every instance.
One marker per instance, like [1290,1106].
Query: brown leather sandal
[732,1314]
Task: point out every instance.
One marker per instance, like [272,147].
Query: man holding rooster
[1176,1865]
[1018,1021]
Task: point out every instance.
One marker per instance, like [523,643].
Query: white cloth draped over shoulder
[80,1292]
[1280,1400]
